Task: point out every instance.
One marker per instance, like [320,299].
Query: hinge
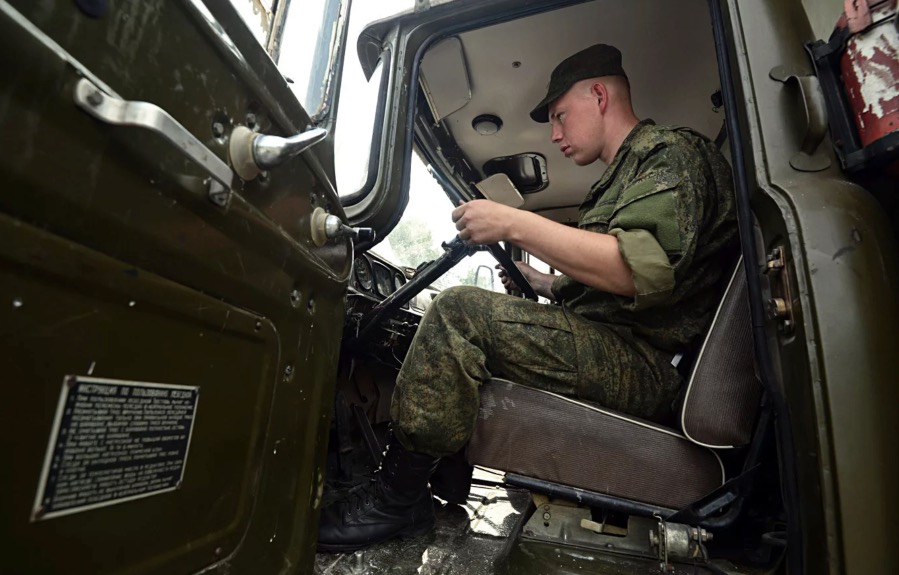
[780,306]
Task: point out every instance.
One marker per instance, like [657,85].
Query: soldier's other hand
[527,271]
[483,222]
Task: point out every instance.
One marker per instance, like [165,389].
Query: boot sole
[407,533]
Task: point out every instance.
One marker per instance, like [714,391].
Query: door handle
[252,153]
[129,113]
[809,158]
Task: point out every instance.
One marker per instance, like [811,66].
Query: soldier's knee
[456,297]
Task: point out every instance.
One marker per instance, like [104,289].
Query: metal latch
[252,153]
[327,226]
[677,541]
[780,306]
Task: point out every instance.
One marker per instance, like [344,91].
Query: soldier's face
[577,124]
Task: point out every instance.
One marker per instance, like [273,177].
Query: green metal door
[168,332]
[829,268]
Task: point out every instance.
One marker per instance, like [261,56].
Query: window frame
[374,154]
[336,51]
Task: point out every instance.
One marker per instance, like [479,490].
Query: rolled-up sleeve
[652,238]
[652,271]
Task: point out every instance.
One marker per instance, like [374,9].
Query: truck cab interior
[604,482]
[558,481]
[207,303]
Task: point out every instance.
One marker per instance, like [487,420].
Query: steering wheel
[505,260]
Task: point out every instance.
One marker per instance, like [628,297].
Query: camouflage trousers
[469,335]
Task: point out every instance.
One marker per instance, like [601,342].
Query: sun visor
[444,78]
[500,189]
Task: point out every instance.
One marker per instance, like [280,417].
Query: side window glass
[361,105]
[306,48]
[301,36]
[356,141]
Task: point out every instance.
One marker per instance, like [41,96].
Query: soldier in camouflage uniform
[641,279]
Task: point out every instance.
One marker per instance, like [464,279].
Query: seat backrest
[722,399]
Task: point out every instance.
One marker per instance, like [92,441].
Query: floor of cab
[468,539]
[480,538]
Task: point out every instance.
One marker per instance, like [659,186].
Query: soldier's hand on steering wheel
[482,222]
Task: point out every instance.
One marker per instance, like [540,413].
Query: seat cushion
[547,436]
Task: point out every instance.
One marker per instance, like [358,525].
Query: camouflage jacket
[668,197]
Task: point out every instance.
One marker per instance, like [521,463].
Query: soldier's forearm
[543,284]
[590,258]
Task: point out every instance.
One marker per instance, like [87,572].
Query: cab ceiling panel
[668,54]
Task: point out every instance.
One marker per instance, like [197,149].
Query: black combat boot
[396,502]
[452,479]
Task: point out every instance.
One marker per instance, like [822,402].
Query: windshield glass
[425,225]
[308,50]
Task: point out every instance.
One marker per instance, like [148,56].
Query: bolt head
[95,98]
[218,129]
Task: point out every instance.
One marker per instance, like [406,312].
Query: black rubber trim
[374,152]
[787,450]
[591,498]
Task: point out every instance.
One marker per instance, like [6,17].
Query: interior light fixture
[487,124]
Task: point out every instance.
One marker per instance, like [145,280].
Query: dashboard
[376,278]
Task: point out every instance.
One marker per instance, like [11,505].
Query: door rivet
[295,298]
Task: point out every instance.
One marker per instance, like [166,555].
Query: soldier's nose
[556,135]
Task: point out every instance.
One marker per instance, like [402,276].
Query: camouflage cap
[593,62]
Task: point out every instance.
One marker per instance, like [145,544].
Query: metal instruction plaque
[114,441]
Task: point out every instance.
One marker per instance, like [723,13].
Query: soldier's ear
[601,93]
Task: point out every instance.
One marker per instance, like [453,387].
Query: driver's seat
[566,441]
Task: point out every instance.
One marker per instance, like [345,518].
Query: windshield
[425,225]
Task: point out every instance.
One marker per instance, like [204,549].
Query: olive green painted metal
[838,369]
[537,558]
[70,310]
[115,262]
